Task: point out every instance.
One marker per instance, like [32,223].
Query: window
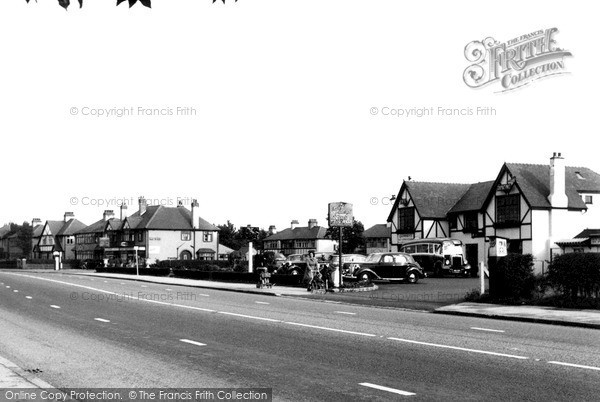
[186,236]
[508,210]
[408,249]
[470,222]
[406,220]
[588,199]
[207,237]
[140,236]
[453,221]
[422,248]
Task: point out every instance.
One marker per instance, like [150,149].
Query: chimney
[195,220]
[272,230]
[294,224]
[123,209]
[142,204]
[69,215]
[108,214]
[312,223]
[558,195]
[35,222]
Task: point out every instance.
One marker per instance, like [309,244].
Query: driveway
[427,294]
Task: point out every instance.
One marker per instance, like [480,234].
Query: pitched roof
[434,200]
[588,233]
[166,218]
[534,182]
[55,226]
[224,249]
[37,231]
[4,230]
[70,227]
[95,227]
[300,233]
[379,230]
[474,198]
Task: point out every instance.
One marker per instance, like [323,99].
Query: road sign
[498,247]
[340,214]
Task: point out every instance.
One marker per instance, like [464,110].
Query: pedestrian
[312,268]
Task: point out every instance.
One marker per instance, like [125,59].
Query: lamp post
[137,265]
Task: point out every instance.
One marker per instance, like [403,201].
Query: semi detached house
[533,206]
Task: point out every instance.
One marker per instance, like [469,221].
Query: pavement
[13,376]
[538,314]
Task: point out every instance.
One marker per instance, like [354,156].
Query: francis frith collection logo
[516,62]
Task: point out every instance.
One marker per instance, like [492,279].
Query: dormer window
[579,176]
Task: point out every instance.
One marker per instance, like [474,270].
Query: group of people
[313,277]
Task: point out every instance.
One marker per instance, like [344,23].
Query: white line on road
[122,283]
[144,286]
[8,287]
[105,281]
[193,342]
[203,295]
[28,297]
[576,365]
[388,389]
[328,329]
[54,306]
[345,312]
[249,316]
[168,290]
[101,320]
[487,329]
[16,291]
[257,302]
[458,348]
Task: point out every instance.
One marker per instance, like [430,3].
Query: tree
[227,235]
[235,238]
[352,237]
[147,3]
[24,235]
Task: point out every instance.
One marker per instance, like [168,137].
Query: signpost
[137,265]
[340,215]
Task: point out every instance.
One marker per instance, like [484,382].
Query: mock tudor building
[299,239]
[57,236]
[533,206]
[587,241]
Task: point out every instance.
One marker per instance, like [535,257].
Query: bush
[512,278]
[576,275]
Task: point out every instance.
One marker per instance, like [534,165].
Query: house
[299,239]
[533,206]
[224,252]
[587,241]
[58,236]
[152,233]
[377,239]
[37,227]
[4,232]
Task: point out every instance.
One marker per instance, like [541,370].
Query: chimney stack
[195,220]
[123,209]
[108,214]
[69,215]
[142,205]
[312,223]
[35,222]
[294,224]
[558,195]
[272,230]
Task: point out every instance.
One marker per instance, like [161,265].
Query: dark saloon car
[390,267]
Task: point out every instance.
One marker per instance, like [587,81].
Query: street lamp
[137,265]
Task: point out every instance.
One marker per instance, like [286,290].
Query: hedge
[512,278]
[576,275]
[204,265]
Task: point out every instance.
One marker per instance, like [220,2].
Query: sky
[267,110]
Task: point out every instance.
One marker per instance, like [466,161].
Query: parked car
[349,262]
[438,256]
[296,264]
[388,266]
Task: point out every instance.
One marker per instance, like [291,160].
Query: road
[93,332]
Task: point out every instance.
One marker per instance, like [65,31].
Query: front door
[472,251]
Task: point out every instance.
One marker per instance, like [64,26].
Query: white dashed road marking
[168,290]
[28,297]
[575,365]
[485,352]
[101,320]
[54,306]
[345,312]
[487,329]
[248,316]
[16,291]
[193,342]
[258,302]
[144,286]
[387,389]
[329,329]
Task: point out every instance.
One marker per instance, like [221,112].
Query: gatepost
[496,253]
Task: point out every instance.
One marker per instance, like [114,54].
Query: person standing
[312,268]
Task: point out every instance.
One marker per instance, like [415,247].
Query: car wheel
[413,277]
[365,276]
